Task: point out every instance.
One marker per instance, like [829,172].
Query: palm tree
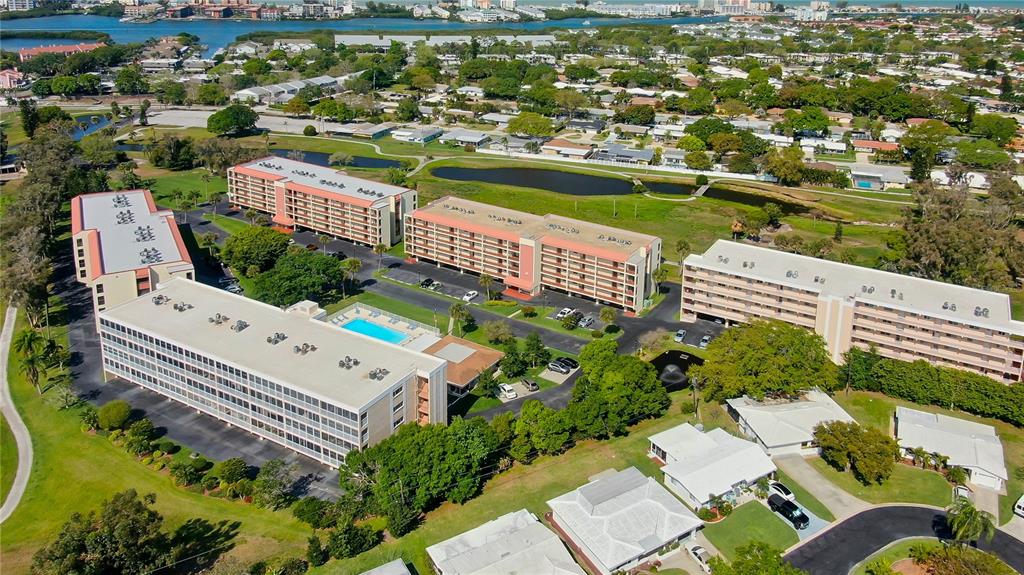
[208,240]
[215,198]
[349,268]
[939,461]
[251,215]
[379,249]
[206,183]
[608,315]
[28,342]
[968,523]
[324,239]
[191,201]
[176,197]
[459,314]
[485,282]
[33,367]
[54,353]
[920,456]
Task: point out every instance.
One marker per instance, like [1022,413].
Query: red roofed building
[26,54]
[11,79]
[874,146]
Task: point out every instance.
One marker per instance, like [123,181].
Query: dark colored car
[426,283]
[568,362]
[530,385]
[789,510]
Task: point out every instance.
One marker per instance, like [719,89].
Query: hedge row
[921,382]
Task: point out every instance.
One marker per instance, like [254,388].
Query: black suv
[789,510]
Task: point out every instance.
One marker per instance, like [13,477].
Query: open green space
[8,458]
[165,182]
[229,225]
[895,552]
[878,410]
[747,523]
[66,458]
[906,485]
[804,497]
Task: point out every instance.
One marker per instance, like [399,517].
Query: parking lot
[453,291]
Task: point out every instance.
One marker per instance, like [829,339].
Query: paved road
[21,436]
[839,502]
[841,548]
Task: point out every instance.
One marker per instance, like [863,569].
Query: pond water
[588,185]
[323,159]
[84,125]
[672,366]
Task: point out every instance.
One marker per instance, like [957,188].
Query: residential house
[464,137]
[613,152]
[785,427]
[566,148]
[417,135]
[973,446]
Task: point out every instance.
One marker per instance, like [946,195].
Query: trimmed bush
[596,333]
[158,465]
[309,131]
[210,483]
[114,436]
[167,446]
[147,460]
[702,180]
[114,414]
[158,454]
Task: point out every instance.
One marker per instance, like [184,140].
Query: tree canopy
[255,248]
[232,119]
[298,275]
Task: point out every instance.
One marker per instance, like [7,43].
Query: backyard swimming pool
[375,330]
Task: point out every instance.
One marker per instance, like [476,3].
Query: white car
[701,556]
[962,491]
[564,312]
[1018,507]
[680,336]
[704,341]
[470,296]
[781,489]
[507,392]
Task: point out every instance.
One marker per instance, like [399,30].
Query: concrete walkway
[839,502]
[1015,527]
[21,436]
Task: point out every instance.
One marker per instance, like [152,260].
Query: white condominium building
[285,375]
[124,245]
[903,317]
[300,195]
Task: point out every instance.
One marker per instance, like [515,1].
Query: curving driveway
[21,436]
[847,543]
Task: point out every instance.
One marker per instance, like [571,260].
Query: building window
[81,274]
[78,242]
[99,288]
[81,264]
[101,300]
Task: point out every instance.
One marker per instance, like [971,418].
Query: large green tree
[530,124]
[232,119]
[765,357]
[298,275]
[755,558]
[254,248]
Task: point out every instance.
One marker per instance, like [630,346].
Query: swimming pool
[375,330]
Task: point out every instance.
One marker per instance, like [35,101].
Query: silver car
[701,557]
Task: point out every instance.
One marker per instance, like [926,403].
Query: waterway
[323,159]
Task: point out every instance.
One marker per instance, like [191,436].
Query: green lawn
[165,182]
[8,458]
[906,485]
[94,469]
[892,554]
[749,522]
[877,410]
[804,497]
[230,225]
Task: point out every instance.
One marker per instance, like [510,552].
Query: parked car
[233,288]
[704,341]
[781,489]
[719,321]
[227,281]
[426,283]
[564,312]
[436,286]
[1018,507]
[506,391]
[559,368]
[586,322]
[962,491]
[701,557]
[531,385]
[680,336]
[789,510]
[470,295]
[568,362]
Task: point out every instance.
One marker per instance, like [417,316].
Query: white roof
[515,543]
[133,234]
[622,516]
[711,463]
[324,178]
[966,443]
[315,372]
[791,422]
[396,567]
[894,291]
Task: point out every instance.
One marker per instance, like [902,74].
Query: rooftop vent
[218,319]
[270,166]
[948,306]
[348,362]
[980,311]
[240,325]
[151,256]
[792,274]
[378,373]
[749,264]
[182,306]
[160,299]
[144,234]
[125,217]
[277,338]
[122,201]
[867,289]
[304,348]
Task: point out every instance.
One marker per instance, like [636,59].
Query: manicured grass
[93,470]
[844,157]
[906,485]
[230,225]
[8,458]
[899,550]
[749,522]
[397,250]
[877,410]
[1017,304]
[166,181]
[804,497]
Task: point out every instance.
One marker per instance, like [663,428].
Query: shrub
[200,463]
[309,131]
[725,508]
[89,417]
[292,566]
[702,180]
[686,406]
[316,554]
[114,414]
[529,311]
[147,460]
[350,540]
[184,473]
[233,469]
[167,446]
[705,514]
[158,454]
[158,465]
[210,482]
[596,333]
[313,511]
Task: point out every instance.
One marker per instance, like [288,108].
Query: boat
[127,19]
[586,22]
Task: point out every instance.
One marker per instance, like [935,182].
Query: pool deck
[418,336]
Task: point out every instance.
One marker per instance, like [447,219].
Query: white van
[1018,507]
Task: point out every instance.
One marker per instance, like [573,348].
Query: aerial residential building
[902,317]
[784,427]
[26,54]
[515,543]
[528,252]
[282,375]
[973,446]
[325,200]
[124,246]
[396,567]
[621,519]
[699,465]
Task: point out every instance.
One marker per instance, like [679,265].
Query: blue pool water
[375,330]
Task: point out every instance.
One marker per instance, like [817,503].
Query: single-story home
[700,466]
[631,130]
[973,180]
[417,135]
[828,146]
[874,146]
[621,519]
[777,140]
[463,137]
[515,543]
[878,178]
[586,126]
[613,152]
[466,361]
[501,120]
[973,446]
[396,567]
[566,148]
[674,157]
[470,91]
[784,427]
[365,130]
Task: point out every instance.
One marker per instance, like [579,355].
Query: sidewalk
[839,502]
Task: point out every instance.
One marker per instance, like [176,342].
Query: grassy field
[8,458]
[906,485]
[749,522]
[804,497]
[65,457]
[899,550]
[166,181]
[877,410]
[229,225]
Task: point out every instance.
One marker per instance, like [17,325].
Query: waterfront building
[26,54]
[21,5]
[902,317]
[300,195]
[528,252]
[282,375]
[124,246]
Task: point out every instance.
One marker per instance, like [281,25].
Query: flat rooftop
[315,372]
[133,233]
[550,227]
[326,179]
[917,295]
